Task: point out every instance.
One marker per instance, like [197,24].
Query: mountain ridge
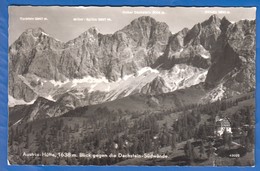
[144,57]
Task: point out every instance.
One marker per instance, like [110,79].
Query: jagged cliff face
[33,52]
[193,47]
[91,54]
[234,65]
[136,46]
[236,43]
[142,58]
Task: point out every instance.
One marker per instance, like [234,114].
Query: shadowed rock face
[236,53]
[221,52]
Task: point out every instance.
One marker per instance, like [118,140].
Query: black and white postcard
[153,86]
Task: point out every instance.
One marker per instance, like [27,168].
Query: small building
[222,124]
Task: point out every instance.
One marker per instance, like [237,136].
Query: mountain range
[142,66]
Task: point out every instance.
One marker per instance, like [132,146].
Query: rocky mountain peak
[36,36]
[92,30]
[27,39]
[90,36]
[224,19]
[34,31]
[213,20]
[145,42]
[146,28]
[183,31]
[237,50]
[143,20]
[143,23]
[224,24]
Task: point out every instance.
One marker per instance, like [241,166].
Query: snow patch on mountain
[90,80]
[80,94]
[45,33]
[58,83]
[215,94]
[205,56]
[217,28]
[218,94]
[17,122]
[177,54]
[12,101]
[49,97]
[182,76]
[146,69]
[108,88]
[127,76]
[179,77]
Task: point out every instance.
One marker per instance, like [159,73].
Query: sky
[66,23]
